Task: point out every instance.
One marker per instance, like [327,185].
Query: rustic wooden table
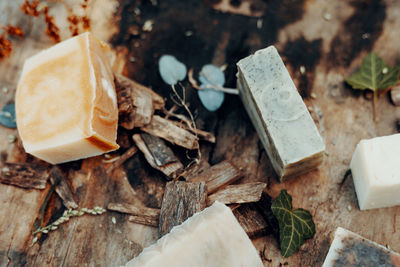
[328,38]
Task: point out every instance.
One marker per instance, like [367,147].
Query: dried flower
[5,46]
[52,30]
[14,30]
[31,8]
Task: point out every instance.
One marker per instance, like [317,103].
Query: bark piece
[124,157]
[181,200]
[196,170]
[251,220]
[62,188]
[24,175]
[218,176]
[142,215]
[136,103]
[169,131]
[158,155]
[242,193]
[264,208]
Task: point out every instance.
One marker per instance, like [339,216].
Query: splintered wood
[141,215]
[158,154]
[181,200]
[136,103]
[251,220]
[169,131]
[242,193]
[63,190]
[24,175]
[124,157]
[218,176]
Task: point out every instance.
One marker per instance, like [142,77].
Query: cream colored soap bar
[375,168]
[66,105]
[212,237]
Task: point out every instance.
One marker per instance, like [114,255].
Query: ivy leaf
[295,226]
[210,76]
[7,116]
[171,70]
[374,74]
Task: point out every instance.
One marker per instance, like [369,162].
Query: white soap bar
[350,249]
[210,238]
[66,104]
[281,118]
[375,168]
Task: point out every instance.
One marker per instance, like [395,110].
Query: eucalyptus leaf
[7,116]
[294,226]
[211,99]
[211,76]
[374,74]
[171,70]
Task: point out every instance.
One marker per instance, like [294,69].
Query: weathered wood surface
[142,215]
[241,193]
[328,38]
[218,176]
[251,220]
[181,200]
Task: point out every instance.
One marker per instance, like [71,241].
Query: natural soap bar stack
[350,249]
[210,238]
[66,104]
[375,168]
[281,118]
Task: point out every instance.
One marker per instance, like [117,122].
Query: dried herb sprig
[65,218]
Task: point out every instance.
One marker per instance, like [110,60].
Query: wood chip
[136,103]
[169,131]
[124,157]
[251,220]
[207,136]
[62,188]
[142,215]
[24,175]
[218,176]
[196,170]
[264,208]
[241,193]
[181,200]
[158,155]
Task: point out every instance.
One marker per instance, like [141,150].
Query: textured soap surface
[350,249]
[210,238]
[66,103]
[375,168]
[279,114]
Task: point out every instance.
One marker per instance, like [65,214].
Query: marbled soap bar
[375,168]
[212,237]
[66,105]
[281,118]
[350,249]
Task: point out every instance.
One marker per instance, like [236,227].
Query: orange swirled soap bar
[66,105]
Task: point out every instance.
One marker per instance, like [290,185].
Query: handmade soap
[375,168]
[212,237]
[350,249]
[66,105]
[282,121]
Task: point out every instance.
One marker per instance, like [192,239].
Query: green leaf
[374,74]
[294,226]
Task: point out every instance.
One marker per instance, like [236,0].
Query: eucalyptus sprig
[65,218]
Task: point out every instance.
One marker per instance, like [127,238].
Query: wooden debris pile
[147,127]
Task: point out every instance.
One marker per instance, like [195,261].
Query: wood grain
[24,175]
[218,176]
[181,200]
[251,220]
[236,194]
